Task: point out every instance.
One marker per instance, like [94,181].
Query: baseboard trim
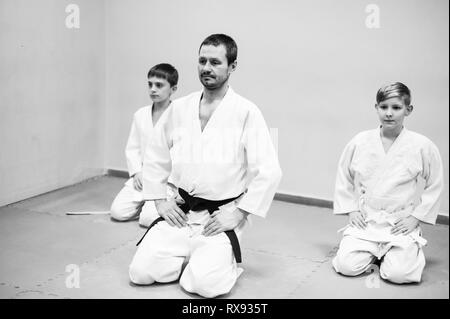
[117,173]
[288,198]
[302,200]
[442,220]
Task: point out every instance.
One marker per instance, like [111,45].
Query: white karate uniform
[129,202]
[234,154]
[384,186]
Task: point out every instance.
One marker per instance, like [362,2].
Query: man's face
[213,68]
[159,89]
[392,112]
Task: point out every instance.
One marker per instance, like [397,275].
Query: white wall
[313,67]
[52,96]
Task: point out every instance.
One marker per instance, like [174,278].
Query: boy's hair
[164,71]
[225,40]
[396,89]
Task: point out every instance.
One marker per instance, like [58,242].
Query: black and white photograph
[241,151]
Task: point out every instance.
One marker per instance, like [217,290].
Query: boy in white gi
[129,203]
[376,186]
[225,167]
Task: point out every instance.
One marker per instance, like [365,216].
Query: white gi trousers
[211,268]
[402,257]
[129,204]
[400,264]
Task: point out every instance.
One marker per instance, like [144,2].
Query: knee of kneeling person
[117,213]
[208,286]
[348,266]
[140,275]
[146,222]
[397,274]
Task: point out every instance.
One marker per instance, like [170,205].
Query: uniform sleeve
[133,150]
[345,197]
[433,174]
[157,164]
[263,167]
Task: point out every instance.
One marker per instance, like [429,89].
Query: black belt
[198,204]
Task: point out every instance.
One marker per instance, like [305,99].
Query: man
[218,148]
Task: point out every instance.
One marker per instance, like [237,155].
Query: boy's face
[392,112]
[159,89]
[213,68]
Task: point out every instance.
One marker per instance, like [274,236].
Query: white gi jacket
[141,129]
[384,185]
[233,154]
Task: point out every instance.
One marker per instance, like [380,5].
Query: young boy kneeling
[376,186]
[129,203]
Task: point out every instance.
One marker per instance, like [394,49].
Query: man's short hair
[164,71]
[396,89]
[227,41]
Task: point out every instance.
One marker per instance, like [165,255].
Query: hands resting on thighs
[172,214]
[220,220]
[357,219]
[403,226]
[223,220]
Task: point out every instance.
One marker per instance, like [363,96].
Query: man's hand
[405,225]
[172,214]
[222,220]
[357,219]
[137,181]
